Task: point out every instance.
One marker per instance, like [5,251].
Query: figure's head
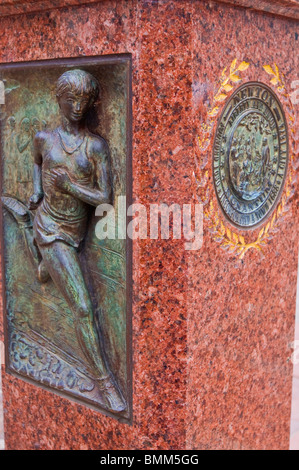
[76,92]
[35,124]
[25,124]
[12,122]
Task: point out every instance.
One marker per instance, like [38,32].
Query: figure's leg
[62,262]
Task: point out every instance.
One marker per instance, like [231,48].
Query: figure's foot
[112,395]
[18,210]
[42,272]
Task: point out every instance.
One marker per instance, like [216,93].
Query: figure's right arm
[38,144]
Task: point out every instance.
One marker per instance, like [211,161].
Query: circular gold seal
[250,155]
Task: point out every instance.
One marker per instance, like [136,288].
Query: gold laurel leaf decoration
[228,87]
[243,66]
[269,69]
[235,237]
[214,112]
[235,78]
[236,244]
[277,71]
[225,86]
[220,97]
[273,220]
[274,81]
[224,72]
[233,65]
[261,234]
[242,240]
[267,227]
[222,228]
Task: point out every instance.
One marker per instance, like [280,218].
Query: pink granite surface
[1,398]
[294,437]
[289,8]
[211,332]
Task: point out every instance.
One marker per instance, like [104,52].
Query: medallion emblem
[250,155]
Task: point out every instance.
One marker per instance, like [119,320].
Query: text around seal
[250,155]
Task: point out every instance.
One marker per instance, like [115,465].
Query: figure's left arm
[102,192]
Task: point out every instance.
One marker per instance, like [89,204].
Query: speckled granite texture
[288,8]
[211,332]
[1,400]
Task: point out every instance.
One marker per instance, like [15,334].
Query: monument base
[212,328]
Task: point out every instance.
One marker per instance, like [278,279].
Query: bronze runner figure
[71,172]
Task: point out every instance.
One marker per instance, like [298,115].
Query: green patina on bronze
[63,153]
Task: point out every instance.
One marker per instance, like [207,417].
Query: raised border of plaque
[250,155]
[36,330]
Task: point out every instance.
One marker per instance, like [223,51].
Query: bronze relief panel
[65,140]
